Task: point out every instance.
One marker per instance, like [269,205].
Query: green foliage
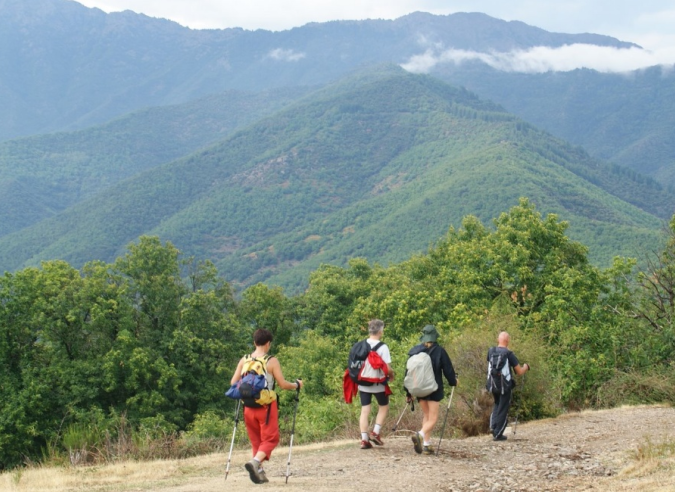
[615,118]
[209,425]
[373,166]
[125,338]
[133,358]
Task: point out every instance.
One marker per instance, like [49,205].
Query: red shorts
[264,436]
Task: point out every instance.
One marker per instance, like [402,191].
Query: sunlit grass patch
[650,457]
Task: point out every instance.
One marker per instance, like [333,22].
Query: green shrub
[537,397]
[656,385]
[209,425]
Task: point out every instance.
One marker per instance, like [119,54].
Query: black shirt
[440,361]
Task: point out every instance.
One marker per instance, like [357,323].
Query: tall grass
[654,385]
[116,440]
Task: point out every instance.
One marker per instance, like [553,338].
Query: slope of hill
[44,175]
[64,66]
[622,449]
[375,166]
[627,119]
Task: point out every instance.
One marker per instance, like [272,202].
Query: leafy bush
[536,396]
[655,385]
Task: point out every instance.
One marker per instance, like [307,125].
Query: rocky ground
[630,448]
[579,451]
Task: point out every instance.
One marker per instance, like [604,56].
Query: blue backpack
[253,387]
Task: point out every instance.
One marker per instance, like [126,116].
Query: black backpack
[357,357]
[499,377]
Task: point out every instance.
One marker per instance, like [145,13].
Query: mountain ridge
[396,156]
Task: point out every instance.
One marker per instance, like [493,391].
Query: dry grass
[650,458]
[136,475]
[119,476]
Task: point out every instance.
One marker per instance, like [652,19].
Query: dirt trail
[579,451]
[575,452]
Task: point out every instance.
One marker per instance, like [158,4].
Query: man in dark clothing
[502,392]
[442,366]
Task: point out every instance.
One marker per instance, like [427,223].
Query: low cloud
[546,59]
[281,54]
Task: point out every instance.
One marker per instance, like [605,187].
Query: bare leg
[363,420]
[430,410]
[381,414]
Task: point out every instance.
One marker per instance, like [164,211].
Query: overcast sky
[649,23]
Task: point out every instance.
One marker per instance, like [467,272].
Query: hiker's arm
[237,373]
[390,372]
[274,368]
[515,363]
[448,370]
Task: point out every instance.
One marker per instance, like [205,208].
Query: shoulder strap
[263,360]
[503,357]
[431,349]
[377,346]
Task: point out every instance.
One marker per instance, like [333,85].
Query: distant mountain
[625,118]
[43,175]
[378,165]
[64,66]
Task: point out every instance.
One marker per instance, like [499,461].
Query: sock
[421,434]
[377,428]
[364,436]
[427,443]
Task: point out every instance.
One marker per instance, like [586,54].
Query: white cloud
[281,54]
[545,59]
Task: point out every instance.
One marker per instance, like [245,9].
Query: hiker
[262,421]
[430,404]
[501,385]
[381,392]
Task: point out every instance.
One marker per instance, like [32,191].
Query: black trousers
[500,412]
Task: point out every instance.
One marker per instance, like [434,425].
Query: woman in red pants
[262,420]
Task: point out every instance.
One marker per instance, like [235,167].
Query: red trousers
[264,437]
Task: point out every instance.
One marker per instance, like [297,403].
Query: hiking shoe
[366,445]
[376,439]
[500,438]
[264,478]
[428,450]
[417,442]
[253,469]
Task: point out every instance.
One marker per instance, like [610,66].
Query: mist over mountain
[64,66]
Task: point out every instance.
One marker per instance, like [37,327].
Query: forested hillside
[378,165]
[131,359]
[43,175]
[625,118]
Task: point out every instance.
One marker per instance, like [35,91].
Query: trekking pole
[520,404]
[399,419]
[447,411]
[234,431]
[290,447]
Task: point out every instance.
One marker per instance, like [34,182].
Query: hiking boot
[428,450]
[500,438]
[253,469]
[376,439]
[366,445]
[264,478]
[417,442]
